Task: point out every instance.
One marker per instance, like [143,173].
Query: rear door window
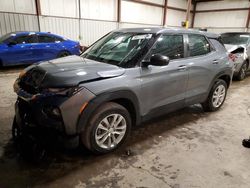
[25,39]
[170,46]
[45,39]
[198,45]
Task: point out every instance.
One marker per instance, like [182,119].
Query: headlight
[64,91]
[52,111]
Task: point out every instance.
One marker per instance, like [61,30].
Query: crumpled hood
[231,47]
[70,71]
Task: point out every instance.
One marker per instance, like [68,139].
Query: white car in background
[238,44]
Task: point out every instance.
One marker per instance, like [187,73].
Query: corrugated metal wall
[17,15]
[18,6]
[222,21]
[91,30]
[68,27]
[17,22]
[137,13]
[98,17]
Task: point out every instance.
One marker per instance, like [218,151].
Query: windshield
[119,48]
[235,38]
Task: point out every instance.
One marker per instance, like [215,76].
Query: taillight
[77,46]
[81,48]
[233,57]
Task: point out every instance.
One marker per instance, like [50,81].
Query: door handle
[215,62]
[182,67]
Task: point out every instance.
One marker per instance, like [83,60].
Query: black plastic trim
[106,97]
[226,72]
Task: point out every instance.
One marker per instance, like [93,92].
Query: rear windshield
[235,38]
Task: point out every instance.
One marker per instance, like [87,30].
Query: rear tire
[107,129]
[216,96]
[63,54]
[242,73]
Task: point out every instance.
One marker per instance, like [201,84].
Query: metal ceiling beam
[146,3]
[202,1]
[178,9]
[221,10]
[156,5]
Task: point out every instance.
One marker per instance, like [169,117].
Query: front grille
[32,115]
[32,80]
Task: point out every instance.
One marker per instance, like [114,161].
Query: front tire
[216,96]
[107,129]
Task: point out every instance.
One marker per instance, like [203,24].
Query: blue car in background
[30,47]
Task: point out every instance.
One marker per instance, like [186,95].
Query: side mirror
[11,43]
[158,60]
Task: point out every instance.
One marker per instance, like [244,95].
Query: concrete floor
[188,149]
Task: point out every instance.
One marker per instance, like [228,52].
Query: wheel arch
[226,78]
[63,50]
[225,75]
[129,105]
[125,98]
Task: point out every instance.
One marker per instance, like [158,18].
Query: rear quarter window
[46,39]
[218,45]
[58,39]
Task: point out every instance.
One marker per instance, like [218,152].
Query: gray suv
[122,80]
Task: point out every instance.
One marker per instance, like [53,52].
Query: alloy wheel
[219,96]
[110,131]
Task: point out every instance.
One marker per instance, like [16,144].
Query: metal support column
[38,13]
[188,13]
[165,12]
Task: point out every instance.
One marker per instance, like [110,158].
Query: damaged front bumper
[50,118]
[33,123]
